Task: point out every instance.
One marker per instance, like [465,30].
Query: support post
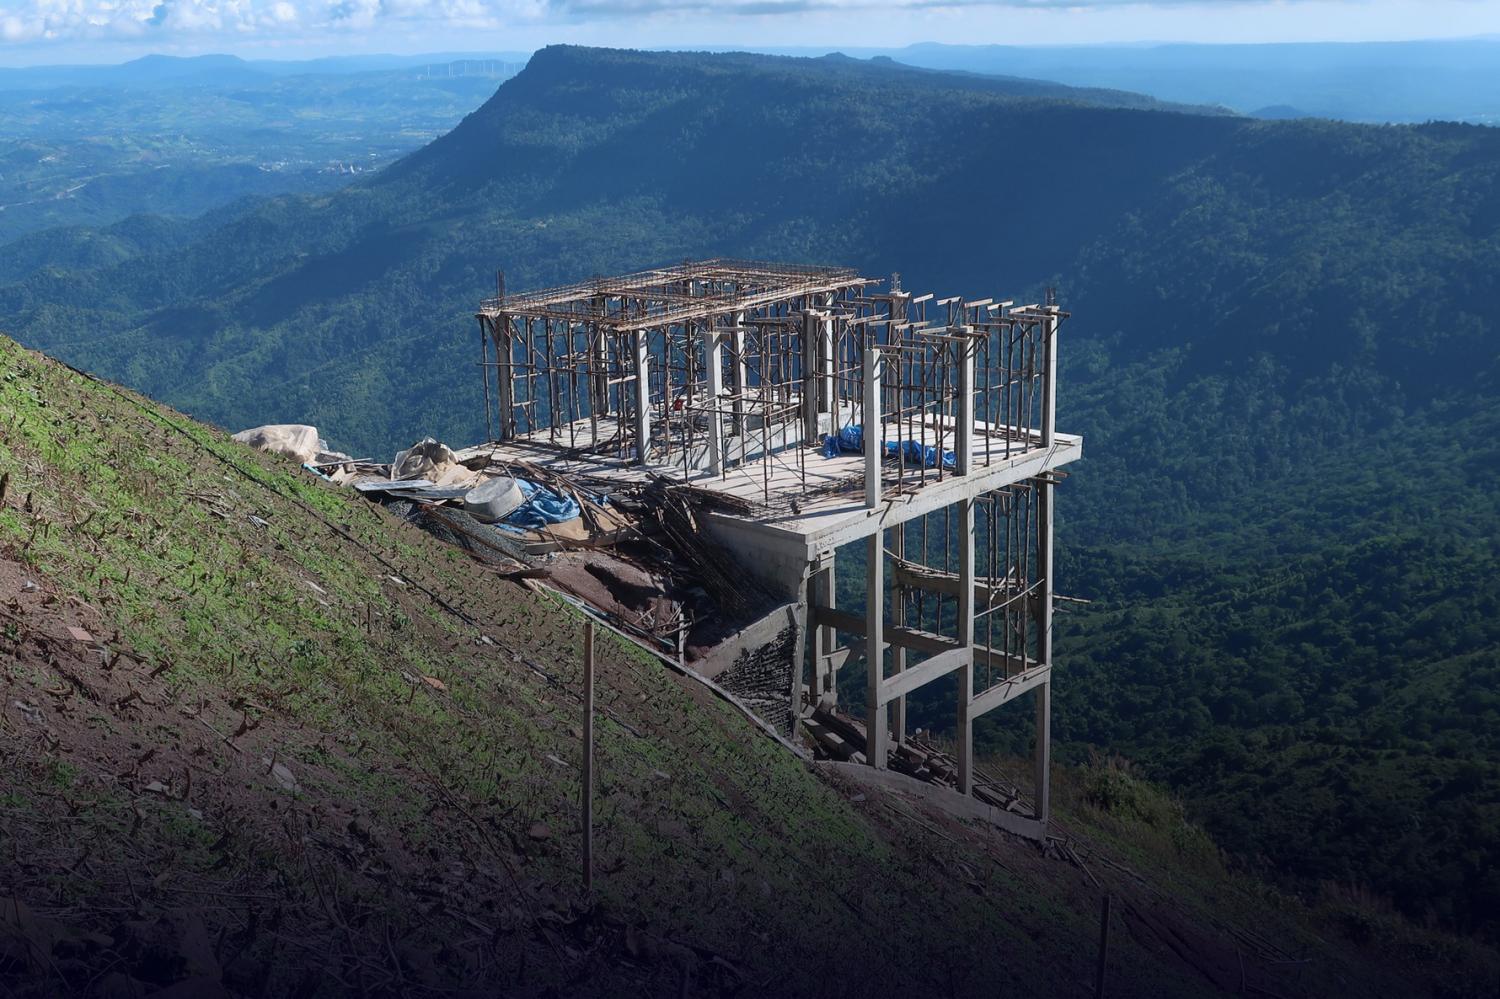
[741,379]
[588,755]
[827,401]
[598,368]
[898,652]
[1045,579]
[965,734]
[1049,376]
[825,673]
[642,364]
[1103,965]
[713,349]
[505,387]
[876,737]
[963,458]
[871,429]
[809,401]
[1045,585]
[484,373]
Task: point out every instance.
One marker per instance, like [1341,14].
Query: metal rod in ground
[1103,950]
[588,755]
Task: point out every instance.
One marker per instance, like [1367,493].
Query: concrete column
[871,429]
[741,374]
[505,376]
[1045,589]
[713,352]
[898,653]
[963,458]
[965,623]
[821,594]
[827,401]
[876,735]
[642,364]
[809,401]
[598,369]
[1049,377]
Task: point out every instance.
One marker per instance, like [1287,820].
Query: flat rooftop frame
[727,286]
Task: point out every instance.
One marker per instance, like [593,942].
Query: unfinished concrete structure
[761,388]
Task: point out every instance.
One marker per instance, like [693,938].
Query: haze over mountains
[91,145]
[1283,358]
[1409,81]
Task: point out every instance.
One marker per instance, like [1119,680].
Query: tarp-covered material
[851,440]
[292,440]
[426,459]
[542,507]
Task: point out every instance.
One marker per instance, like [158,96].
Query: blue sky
[34,31]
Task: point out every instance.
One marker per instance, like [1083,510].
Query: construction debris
[297,441]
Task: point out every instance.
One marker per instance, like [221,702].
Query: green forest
[1283,358]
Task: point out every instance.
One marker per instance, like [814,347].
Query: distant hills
[164,71]
[1285,357]
[1412,81]
[91,145]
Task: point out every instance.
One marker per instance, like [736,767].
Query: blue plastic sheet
[541,507]
[851,440]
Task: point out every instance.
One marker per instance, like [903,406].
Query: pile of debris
[839,736]
[636,558]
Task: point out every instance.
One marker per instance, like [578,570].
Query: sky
[41,31]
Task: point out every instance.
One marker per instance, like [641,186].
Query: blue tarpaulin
[542,507]
[851,440]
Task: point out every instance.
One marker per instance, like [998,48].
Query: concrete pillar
[871,430]
[827,400]
[963,458]
[505,376]
[598,369]
[1049,377]
[741,373]
[821,592]
[809,401]
[1045,589]
[713,351]
[641,345]
[876,735]
[898,653]
[1046,582]
[966,555]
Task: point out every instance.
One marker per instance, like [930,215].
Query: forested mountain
[1284,360]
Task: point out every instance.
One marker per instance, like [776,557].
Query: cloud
[142,20]
[148,22]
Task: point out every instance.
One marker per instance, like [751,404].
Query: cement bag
[293,440]
[426,459]
[494,499]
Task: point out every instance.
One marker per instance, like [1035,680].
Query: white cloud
[349,25]
[141,20]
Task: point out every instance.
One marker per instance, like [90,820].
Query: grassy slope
[272,630]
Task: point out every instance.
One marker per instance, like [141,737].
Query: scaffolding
[786,392]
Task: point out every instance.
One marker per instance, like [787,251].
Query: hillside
[301,748]
[1284,359]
